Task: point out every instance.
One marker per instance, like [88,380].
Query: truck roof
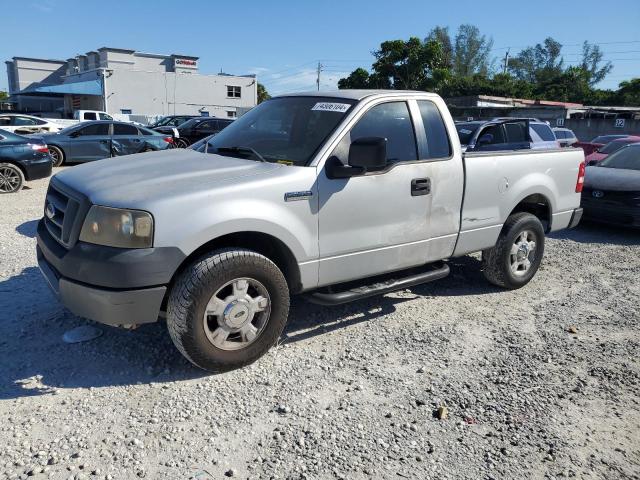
[353,94]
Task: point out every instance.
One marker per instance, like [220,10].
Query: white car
[25,124]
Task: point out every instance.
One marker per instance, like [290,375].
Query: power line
[570,45]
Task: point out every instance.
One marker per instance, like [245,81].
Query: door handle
[420,186]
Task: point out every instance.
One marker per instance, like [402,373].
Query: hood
[133,180]
[612,179]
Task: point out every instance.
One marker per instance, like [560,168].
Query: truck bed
[496,182]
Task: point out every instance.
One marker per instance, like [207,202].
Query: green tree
[3,95]
[441,34]
[359,78]
[538,62]
[471,53]
[629,93]
[262,93]
[592,63]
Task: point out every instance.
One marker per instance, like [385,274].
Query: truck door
[125,139]
[404,215]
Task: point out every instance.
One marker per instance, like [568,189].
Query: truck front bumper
[111,286]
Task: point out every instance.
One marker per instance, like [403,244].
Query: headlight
[115,227]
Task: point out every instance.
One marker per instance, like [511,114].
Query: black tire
[195,287]
[11,178]
[57,155]
[181,143]
[497,261]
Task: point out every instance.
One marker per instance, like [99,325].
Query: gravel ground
[542,382]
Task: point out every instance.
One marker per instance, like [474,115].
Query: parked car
[611,191]
[565,137]
[505,134]
[195,129]
[25,124]
[172,121]
[611,147]
[597,142]
[21,159]
[318,193]
[89,141]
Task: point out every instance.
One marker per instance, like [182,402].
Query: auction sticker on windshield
[331,107]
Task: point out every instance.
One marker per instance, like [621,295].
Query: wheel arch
[16,164]
[538,205]
[263,243]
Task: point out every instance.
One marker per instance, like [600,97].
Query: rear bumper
[36,169]
[575,218]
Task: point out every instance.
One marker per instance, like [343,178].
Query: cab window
[393,122]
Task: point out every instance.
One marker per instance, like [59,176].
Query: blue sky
[282,41]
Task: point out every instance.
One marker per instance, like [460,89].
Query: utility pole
[318,77]
[506,61]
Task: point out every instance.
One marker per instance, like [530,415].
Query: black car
[611,192]
[172,121]
[21,159]
[195,129]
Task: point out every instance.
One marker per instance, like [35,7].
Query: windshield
[466,131]
[614,146]
[285,130]
[627,158]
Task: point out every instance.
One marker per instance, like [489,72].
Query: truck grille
[63,214]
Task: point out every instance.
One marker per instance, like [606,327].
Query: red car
[597,142]
[606,150]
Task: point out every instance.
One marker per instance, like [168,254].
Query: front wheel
[517,255]
[227,309]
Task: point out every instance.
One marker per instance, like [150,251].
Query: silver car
[565,136]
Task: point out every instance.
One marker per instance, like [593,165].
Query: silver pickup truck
[337,195]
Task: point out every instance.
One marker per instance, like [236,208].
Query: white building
[127,82]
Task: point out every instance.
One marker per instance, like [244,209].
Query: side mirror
[368,153]
[74,134]
[592,163]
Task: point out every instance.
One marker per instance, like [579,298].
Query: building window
[126,111]
[233,91]
[232,113]
[204,113]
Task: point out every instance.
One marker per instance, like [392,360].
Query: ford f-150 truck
[339,196]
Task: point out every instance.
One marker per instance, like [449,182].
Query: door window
[491,135]
[124,129]
[544,131]
[393,122]
[95,129]
[5,121]
[516,132]
[24,121]
[438,145]
[90,116]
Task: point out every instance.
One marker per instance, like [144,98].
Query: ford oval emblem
[50,211]
[597,193]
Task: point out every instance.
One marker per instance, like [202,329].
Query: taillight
[40,148]
[580,182]
[168,139]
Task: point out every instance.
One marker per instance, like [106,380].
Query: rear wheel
[517,255]
[227,309]
[57,155]
[181,143]
[11,178]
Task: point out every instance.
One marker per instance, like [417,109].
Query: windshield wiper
[242,150]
